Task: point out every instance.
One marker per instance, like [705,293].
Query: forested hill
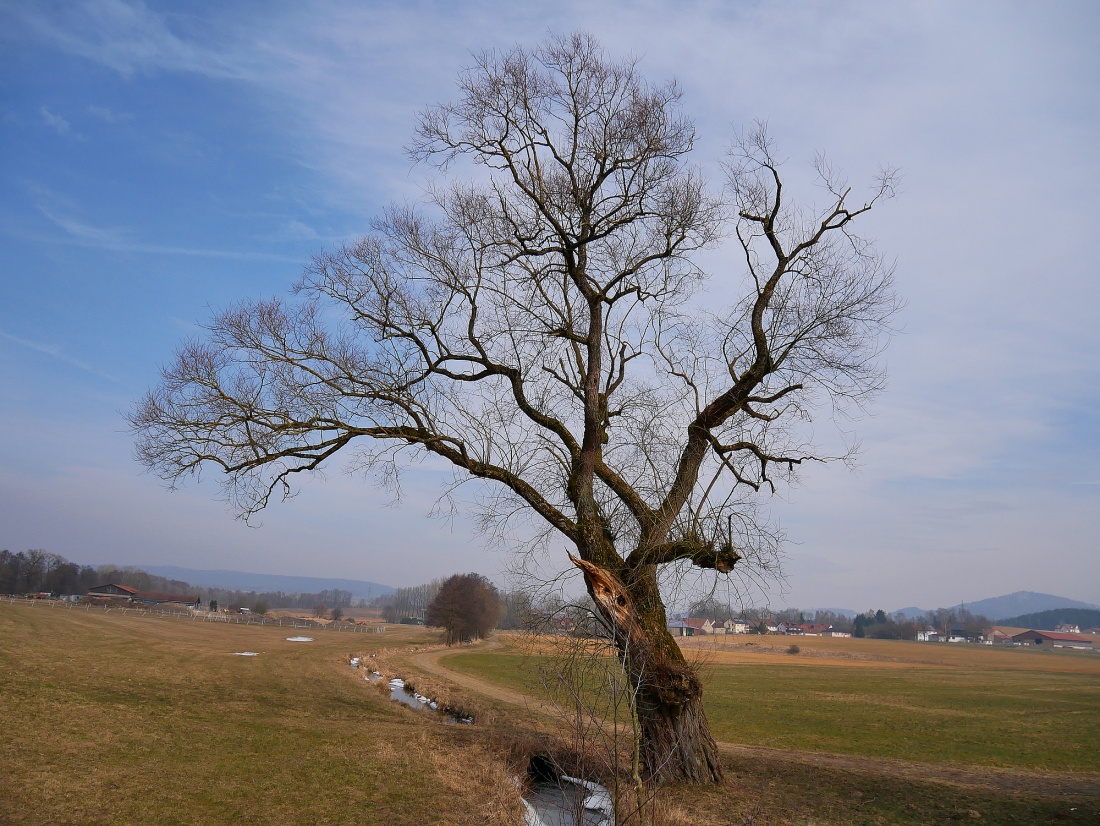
[1048,620]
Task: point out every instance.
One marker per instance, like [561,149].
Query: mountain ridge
[1009,605]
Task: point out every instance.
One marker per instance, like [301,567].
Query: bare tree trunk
[676,744]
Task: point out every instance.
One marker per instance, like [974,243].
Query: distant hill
[840,612]
[1014,605]
[912,612]
[1048,620]
[1022,602]
[243,581]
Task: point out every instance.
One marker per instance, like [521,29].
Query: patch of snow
[530,816]
[299,639]
[245,654]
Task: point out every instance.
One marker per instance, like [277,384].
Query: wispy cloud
[55,351]
[127,37]
[109,237]
[121,239]
[56,122]
[108,115]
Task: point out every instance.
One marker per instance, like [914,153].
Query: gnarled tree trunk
[675,740]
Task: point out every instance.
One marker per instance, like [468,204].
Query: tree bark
[675,740]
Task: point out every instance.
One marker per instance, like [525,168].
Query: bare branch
[537,327]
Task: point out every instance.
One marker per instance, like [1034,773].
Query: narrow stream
[403,694]
[555,799]
[552,799]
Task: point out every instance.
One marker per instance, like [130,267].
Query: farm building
[679,628]
[112,591]
[995,636]
[691,627]
[125,592]
[1053,639]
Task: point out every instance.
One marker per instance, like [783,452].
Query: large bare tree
[537,322]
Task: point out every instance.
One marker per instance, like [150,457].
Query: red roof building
[125,592]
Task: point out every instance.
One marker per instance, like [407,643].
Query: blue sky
[159,163]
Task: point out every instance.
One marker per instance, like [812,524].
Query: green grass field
[1030,720]
[1030,712]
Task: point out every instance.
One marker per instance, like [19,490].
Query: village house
[736,626]
[958,635]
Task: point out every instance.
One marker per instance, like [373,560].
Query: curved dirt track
[1047,784]
[429,661]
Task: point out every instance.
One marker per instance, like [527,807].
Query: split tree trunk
[676,743]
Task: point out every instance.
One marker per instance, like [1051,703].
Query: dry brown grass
[788,786]
[119,719]
[113,719]
[857,653]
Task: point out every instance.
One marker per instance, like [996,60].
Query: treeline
[876,624]
[947,621]
[1049,620]
[38,571]
[407,603]
[517,610]
[718,611]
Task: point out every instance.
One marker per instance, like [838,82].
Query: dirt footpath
[1047,784]
[429,661]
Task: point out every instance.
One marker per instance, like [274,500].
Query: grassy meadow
[927,702]
[118,719]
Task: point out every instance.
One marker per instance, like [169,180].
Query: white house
[736,626]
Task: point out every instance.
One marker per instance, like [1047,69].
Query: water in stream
[400,692]
[555,799]
[562,804]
